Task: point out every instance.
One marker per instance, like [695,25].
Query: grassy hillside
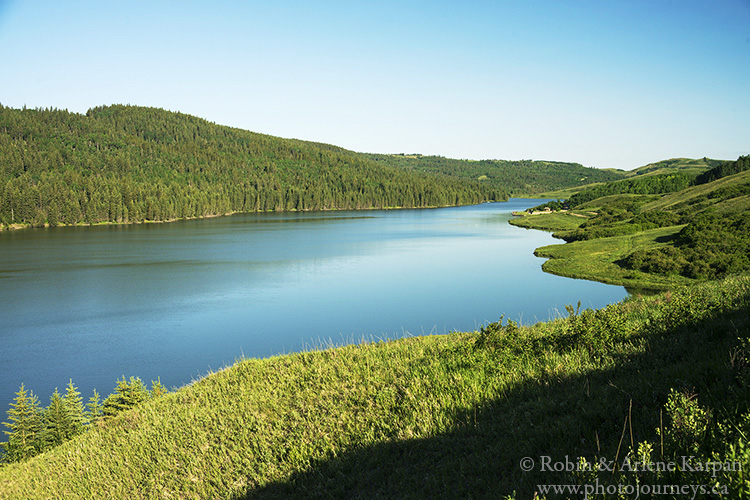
[454,416]
[687,166]
[599,259]
[518,178]
[676,165]
[702,197]
[133,164]
[646,232]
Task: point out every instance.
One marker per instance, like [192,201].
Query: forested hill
[522,177]
[130,164]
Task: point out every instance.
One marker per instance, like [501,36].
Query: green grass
[549,222]
[623,200]
[693,193]
[682,165]
[733,205]
[430,417]
[563,194]
[597,259]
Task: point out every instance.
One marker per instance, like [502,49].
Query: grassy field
[597,259]
[629,222]
[555,221]
[683,165]
[693,193]
[450,416]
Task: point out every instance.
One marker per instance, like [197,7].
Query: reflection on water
[175,300]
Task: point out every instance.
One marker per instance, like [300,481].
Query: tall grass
[425,417]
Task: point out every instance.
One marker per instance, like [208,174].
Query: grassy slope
[428,417]
[549,222]
[563,194]
[597,259]
[685,196]
[683,165]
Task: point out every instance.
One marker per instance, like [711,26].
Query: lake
[175,301]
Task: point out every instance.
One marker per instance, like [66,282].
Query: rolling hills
[133,164]
[654,231]
[122,164]
[519,178]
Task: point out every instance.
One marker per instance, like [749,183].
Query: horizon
[603,85]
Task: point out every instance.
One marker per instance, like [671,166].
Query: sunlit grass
[555,221]
[424,417]
[597,259]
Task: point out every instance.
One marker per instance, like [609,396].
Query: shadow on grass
[580,415]
[667,238]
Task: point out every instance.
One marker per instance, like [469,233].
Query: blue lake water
[174,301]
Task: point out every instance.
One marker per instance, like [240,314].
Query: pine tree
[25,424]
[157,389]
[94,407]
[57,422]
[127,395]
[74,402]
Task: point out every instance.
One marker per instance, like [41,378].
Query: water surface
[173,301]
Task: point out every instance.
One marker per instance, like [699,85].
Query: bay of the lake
[175,301]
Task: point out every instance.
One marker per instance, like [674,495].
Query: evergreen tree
[127,395]
[74,403]
[94,405]
[157,389]
[25,424]
[57,422]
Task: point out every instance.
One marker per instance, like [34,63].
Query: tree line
[33,429]
[650,184]
[712,244]
[132,164]
[516,177]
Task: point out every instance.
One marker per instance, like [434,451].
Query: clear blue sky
[604,83]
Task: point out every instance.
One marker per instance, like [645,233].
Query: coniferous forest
[516,177]
[132,164]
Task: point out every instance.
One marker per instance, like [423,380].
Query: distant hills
[517,178]
[132,164]
[674,165]
[126,164]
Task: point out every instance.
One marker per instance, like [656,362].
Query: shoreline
[595,260]
[17,227]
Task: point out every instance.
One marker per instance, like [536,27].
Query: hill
[676,165]
[465,415]
[133,164]
[690,168]
[655,231]
[518,178]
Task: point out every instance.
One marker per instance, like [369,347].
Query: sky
[609,84]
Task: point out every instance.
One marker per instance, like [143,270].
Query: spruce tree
[127,395]
[94,407]
[25,424]
[57,422]
[74,402]
[157,389]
